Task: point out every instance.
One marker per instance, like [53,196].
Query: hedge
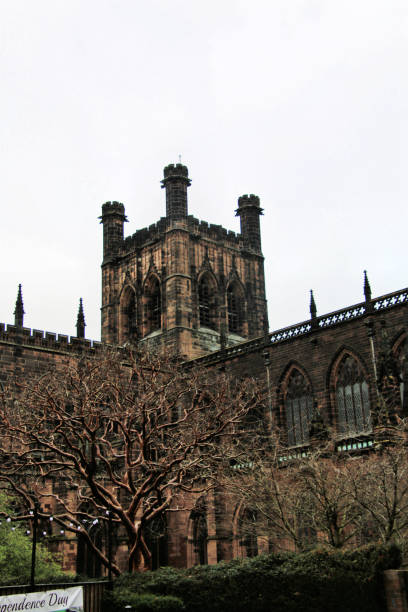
[318,580]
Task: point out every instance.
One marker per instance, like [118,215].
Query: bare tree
[300,497]
[379,485]
[128,438]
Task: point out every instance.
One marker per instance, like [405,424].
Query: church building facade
[199,291]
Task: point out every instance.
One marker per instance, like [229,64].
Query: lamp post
[109,548]
[34,544]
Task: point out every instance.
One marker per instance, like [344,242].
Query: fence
[93,591]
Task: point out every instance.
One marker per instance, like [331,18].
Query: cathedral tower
[181,282]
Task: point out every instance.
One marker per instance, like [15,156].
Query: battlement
[197,227]
[175,171]
[248,200]
[45,340]
[113,208]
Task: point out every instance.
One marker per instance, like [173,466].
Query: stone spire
[367,288]
[313,309]
[80,324]
[19,309]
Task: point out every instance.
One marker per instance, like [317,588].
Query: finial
[19,311]
[179,159]
[313,309]
[80,324]
[367,288]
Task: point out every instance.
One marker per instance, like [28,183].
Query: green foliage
[15,555]
[143,602]
[319,580]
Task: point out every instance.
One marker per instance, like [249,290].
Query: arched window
[128,320]
[200,533]
[298,408]
[207,302]
[153,305]
[155,535]
[401,356]
[247,532]
[234,308]
[352,398]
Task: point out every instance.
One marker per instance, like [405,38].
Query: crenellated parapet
[36,338]
[200,229]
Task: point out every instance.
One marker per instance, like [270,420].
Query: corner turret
[249,211]
[113,217]
[176,182]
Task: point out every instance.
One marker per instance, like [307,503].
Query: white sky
[302,102]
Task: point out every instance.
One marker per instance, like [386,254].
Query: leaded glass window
[248,534]
[153,306]
[234,306]
[206,299]
[299,408]
[200,533]
[352,398]
[131,316]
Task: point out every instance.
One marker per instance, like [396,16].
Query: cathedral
[199,290]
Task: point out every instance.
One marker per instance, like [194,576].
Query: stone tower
[181,282]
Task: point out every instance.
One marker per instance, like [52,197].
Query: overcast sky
[302,102]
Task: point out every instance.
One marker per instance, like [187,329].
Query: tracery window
[298,407]
[234,309]
[153,306]
[248,534]
[155,535]
[200,533]
[352,398]
[401,354]
[130,313]
[206,301]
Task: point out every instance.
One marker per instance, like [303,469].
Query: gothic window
[298,408]
[206,301]
[155,535]
[248,535]
[234,309]
[401,355]
[352,398]
[130,312]
[153,306]
[200,533]
[128,315]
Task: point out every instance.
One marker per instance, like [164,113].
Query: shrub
[318,580]
[142,602]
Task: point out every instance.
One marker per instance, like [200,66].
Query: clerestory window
[352,398]
[298,408]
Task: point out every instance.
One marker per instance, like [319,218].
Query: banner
[71,599]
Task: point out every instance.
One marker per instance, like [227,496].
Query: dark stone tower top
[176,182]
[113,217]
[19,309]
[249,210]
